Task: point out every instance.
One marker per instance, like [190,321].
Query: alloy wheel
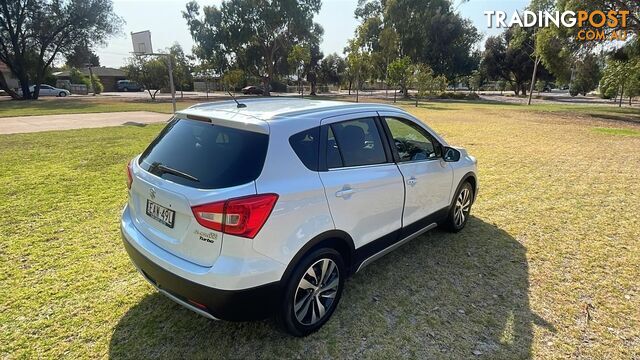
[463,206]
[316,291]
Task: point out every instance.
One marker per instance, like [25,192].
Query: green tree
[399,74]
[233,79]
[182,68]
[428,32]
[359,67]
[255,34]
[586,75]
[299,56]
[34,32]
[476,80]
[621,78]
[509,57]
[423,80]
[501,85]
[150,72]
[332,69]
[80,56]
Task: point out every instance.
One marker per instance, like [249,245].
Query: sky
[164,19]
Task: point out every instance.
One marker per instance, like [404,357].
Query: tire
[303,290]
[125,89]
[62,94]
[460,209]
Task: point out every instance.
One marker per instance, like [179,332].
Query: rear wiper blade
[163,169]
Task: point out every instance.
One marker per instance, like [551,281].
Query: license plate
[160,213]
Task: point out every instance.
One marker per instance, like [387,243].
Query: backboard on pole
[141,42]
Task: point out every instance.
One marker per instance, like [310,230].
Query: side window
[356,142]
[306,144]
[334,159]
[411,141]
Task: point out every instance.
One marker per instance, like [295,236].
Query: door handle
[346,192]
[412,181]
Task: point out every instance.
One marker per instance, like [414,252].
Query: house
[108,76]
[12,82]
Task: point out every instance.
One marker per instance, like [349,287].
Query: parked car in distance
[48,90]
[128,85]
[252,90]
[240,212]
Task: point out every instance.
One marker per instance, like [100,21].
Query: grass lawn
[71,105]
[547,267]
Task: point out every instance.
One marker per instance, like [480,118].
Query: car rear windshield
[206,156]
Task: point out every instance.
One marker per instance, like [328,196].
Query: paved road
[28,124]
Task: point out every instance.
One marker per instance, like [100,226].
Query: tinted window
[334,159]
[306,144]
[216,156]
[411,141]
[358,142]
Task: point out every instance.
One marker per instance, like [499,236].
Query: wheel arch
[471,178]
[335,239]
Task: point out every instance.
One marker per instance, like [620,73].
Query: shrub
[459,96]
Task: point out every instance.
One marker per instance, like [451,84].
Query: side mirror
[451,154]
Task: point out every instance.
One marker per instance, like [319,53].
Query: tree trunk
[4,86]
[395,92]
[24,85]
[621,94]
[265,86]
[350,83]
[533,79]
[313,88]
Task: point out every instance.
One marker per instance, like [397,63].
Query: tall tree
[400,73]
[299,56]
[80,56]
[509,57]
[332,69]
[427,31]
[34,32]
[255,34]
[182,68]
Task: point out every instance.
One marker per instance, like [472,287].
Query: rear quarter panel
[301,211]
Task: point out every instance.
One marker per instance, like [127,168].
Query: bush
[573,91]
[77,77]
[278,86]
[459,96]
[98,88]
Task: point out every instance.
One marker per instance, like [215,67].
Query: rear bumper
[234,305]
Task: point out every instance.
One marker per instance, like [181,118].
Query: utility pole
[170,66]
[173,89]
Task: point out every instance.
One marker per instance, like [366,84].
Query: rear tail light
[243,216]
[129,176]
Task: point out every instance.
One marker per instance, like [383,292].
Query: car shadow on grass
[442,295]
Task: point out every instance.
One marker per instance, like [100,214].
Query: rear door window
[358,143]
[207,156]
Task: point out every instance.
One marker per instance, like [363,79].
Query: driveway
[28,124]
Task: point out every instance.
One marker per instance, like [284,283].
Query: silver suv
[243,211]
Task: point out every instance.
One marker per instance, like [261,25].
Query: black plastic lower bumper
[233,305]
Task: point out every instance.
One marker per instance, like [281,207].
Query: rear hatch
[192,163]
